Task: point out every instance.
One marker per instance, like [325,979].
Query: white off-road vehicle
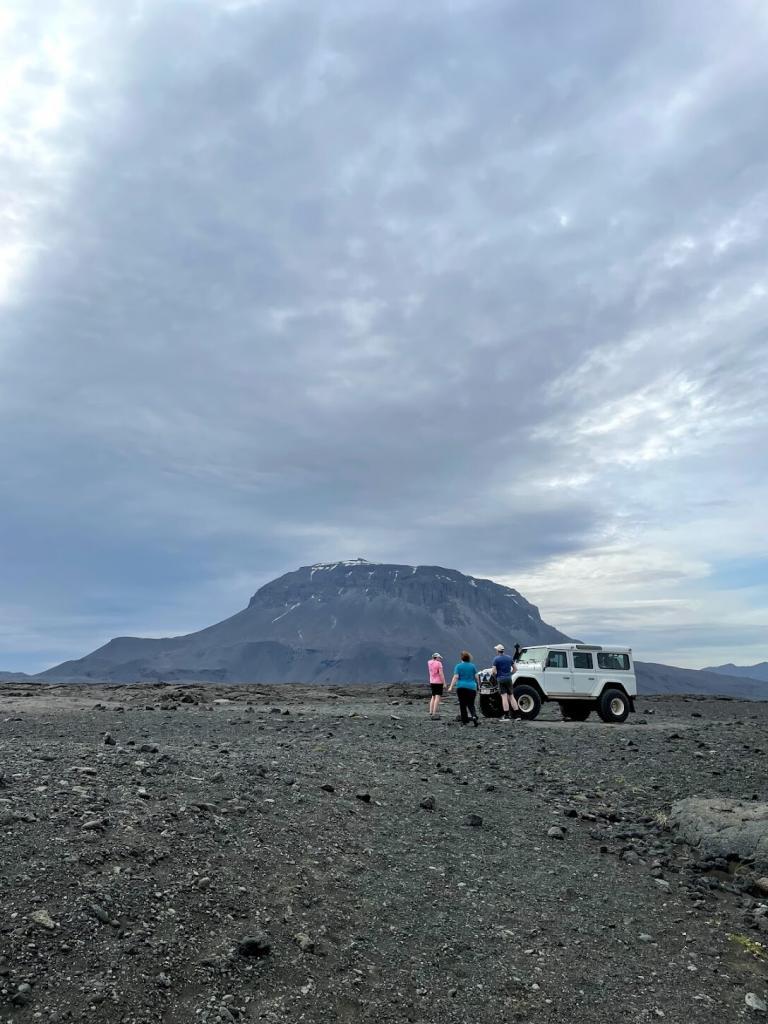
[582,678]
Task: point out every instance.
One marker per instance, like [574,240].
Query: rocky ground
[252,854]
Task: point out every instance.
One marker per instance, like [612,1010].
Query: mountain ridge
[759,671]
[354,621]
[331,622]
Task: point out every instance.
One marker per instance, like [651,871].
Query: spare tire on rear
[490,705]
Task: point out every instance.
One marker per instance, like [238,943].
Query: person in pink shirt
[437,682]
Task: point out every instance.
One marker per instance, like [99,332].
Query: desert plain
[253,853]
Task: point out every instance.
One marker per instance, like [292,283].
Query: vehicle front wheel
[528,700]
[576,710]
[613,706]
[490,705]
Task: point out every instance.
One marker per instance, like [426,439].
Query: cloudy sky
[479,283]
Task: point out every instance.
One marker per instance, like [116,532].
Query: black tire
[490,705]
[528,700]
[576,710]
[613,706]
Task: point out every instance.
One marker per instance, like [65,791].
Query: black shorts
[505,685]
[437,689]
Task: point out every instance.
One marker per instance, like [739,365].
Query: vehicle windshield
[533,654]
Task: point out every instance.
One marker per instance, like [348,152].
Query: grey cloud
[317,267]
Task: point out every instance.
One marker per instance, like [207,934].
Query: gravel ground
[173,854]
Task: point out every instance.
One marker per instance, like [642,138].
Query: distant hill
[13,677]
[358,622]
[759,671]
[655,678]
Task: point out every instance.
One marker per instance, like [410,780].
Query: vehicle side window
[581,659]
[557,659]
[613,662]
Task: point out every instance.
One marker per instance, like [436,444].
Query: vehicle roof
[581,647]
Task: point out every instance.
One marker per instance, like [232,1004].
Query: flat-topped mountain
[335,622]
[359,622]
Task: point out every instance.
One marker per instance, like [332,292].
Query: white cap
[437,656]
[499,647]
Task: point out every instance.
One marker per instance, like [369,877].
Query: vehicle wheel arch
[529,681]
[614,685]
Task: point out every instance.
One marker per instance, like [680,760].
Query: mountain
[759,671]
[655,678]
[14,677]
[335,622]
[359,622]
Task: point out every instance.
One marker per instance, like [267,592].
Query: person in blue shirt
[504,668]
[465,681]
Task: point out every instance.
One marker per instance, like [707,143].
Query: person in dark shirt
[504,668]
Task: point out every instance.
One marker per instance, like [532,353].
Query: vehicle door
[584,673]
[558,678]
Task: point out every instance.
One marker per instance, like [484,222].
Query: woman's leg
[461,693]
[471,703]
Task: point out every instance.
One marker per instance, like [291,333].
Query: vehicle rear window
[613,662]
[557,659]
[582,660]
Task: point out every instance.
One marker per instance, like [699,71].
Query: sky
[477,284]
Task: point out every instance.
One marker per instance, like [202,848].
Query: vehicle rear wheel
[613,706]
[528,700]
[490,705]
[576,710]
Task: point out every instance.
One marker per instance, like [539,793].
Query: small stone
[328,788]
[92,824]
[44,919]
[203,883]
[473,820]
[754,1002]
[109,740]
[365,797]
[23,995]
[149,748]
[255,945]
[556,832]
[100,913]
[662,884]
[644,937]
[762,885]
[217,777]
[428,803]
[305,944]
